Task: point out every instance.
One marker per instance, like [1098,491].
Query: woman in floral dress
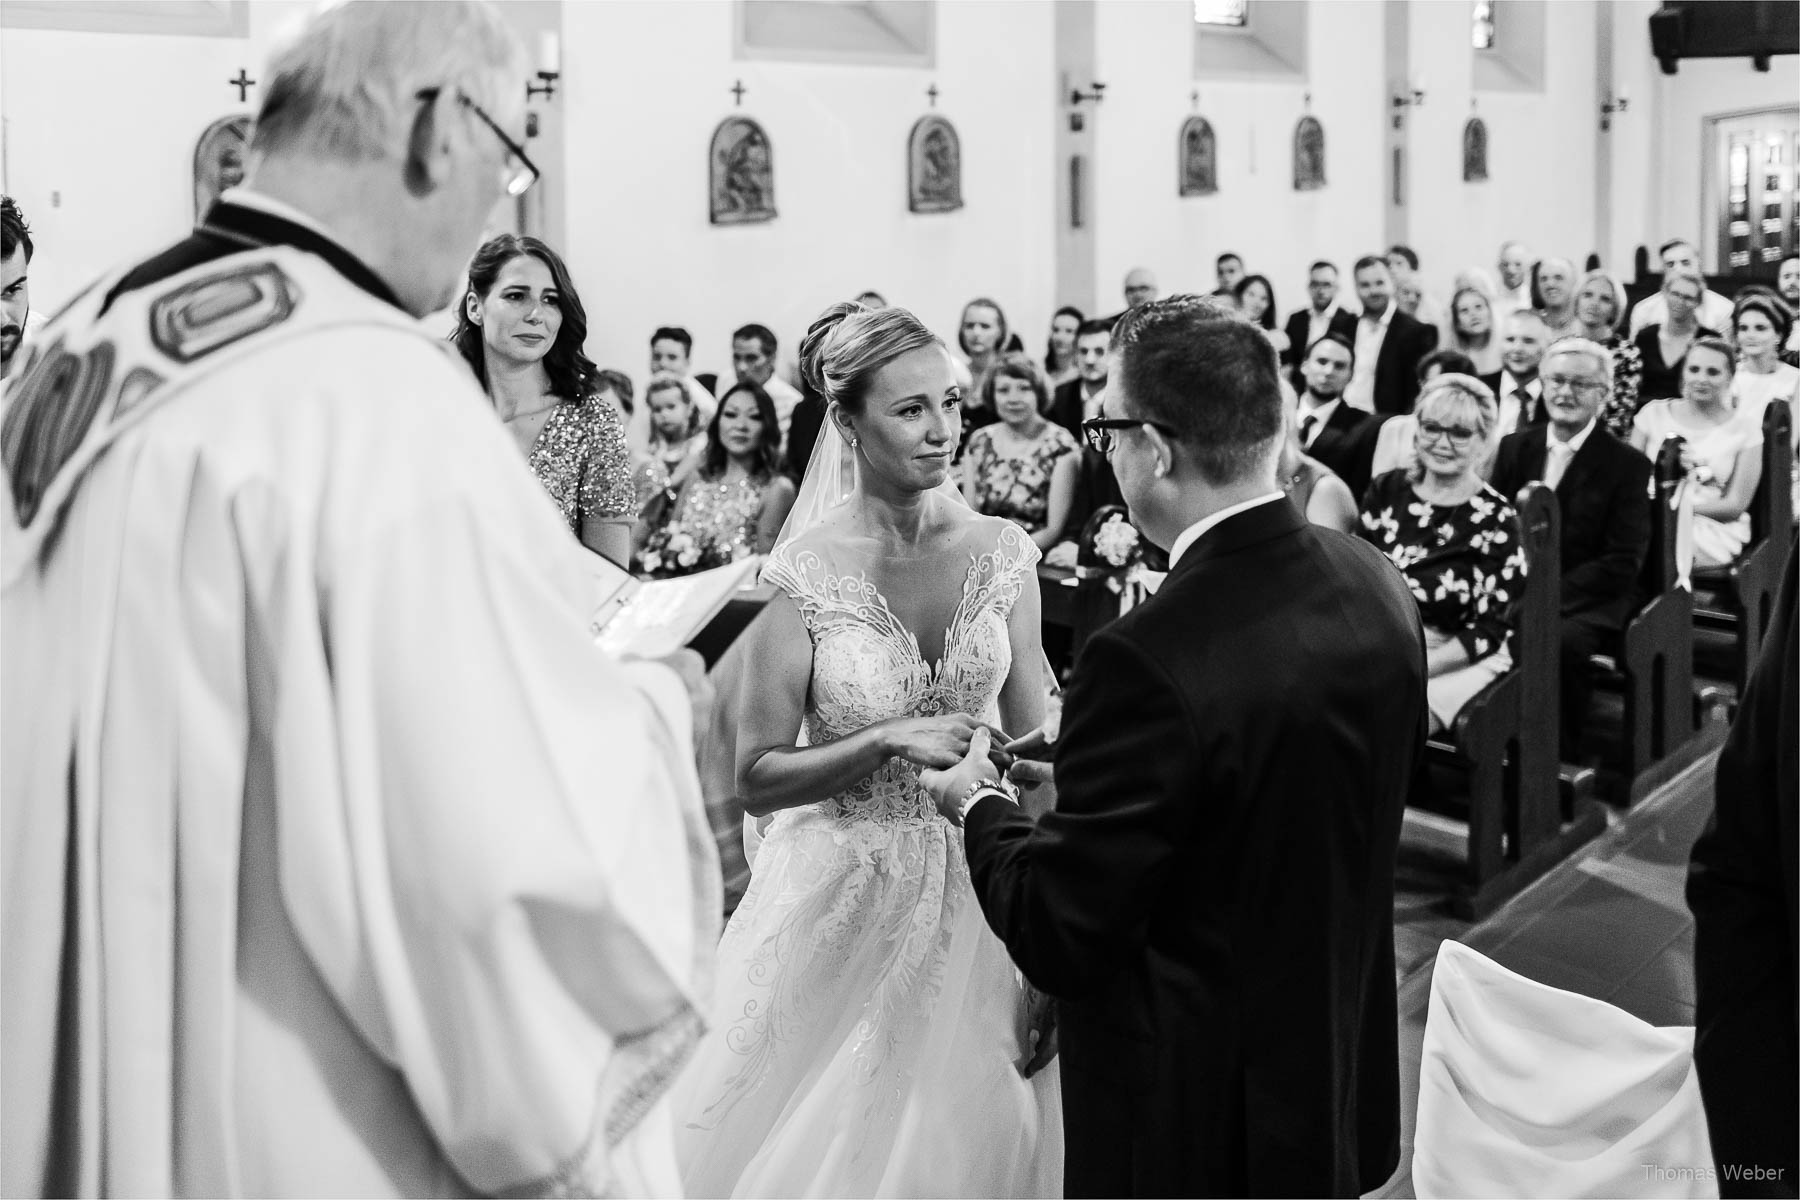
[1024,467]
[1456,540]
[733,503]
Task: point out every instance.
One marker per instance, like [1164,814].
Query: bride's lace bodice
[867,666]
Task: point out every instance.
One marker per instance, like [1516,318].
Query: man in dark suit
[1389,345]
[1078,399]
[1307,325]
[1516,386]
[1744,889]
[1602,487]
[1341,437]
[1210,897]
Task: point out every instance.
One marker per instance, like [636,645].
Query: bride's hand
[1040,1013]
[937,743]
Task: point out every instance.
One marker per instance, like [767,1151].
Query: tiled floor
[1611,922]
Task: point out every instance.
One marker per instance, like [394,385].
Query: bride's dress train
[867,1025]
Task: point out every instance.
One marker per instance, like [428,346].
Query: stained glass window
[1481,24]
[1222,12]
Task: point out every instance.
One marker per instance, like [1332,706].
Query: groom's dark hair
[1199,368]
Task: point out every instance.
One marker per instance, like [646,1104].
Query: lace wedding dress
[867,1025]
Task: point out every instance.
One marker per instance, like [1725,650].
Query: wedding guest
[1515,385]
[1600,308]
[1456,540]
[1514,266]
[982,335]
[1602,488]
[1140,286]
[1409,289]
[1059,355]
[1311,486]
[1679,257]
[753,350]
[1256,300]
[1473,330]
[1662,345]
[670,347]
[1721,449]
[1322,315]
[521,328]
[1787,285]
[1761,326]
[1023,467]
[648,478]
[1554,287]
[733,503]
[1330,430]
[1389,344]
[677,441]
[1229,269]
[16,318]
[1078,399]
[1396,443]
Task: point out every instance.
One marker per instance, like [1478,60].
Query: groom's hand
[947,787]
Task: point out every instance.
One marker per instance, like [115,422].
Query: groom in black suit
[1211,897]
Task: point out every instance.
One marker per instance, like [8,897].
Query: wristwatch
[978,790]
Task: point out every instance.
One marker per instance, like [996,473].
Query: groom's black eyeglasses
[1101,431]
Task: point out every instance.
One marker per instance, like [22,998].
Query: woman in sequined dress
[521,328]
[733,503]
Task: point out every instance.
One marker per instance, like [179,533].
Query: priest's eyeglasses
[517,180]
[1101,432]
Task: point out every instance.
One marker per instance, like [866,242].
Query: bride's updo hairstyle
[848,344]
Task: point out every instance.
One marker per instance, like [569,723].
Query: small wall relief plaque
[219,160]
[933,166]
[1198,163]
[742,173]
[1475,151]
[1309,155]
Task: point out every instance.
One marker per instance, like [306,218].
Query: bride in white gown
[869,1036]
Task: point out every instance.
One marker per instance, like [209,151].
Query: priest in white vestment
[336,860]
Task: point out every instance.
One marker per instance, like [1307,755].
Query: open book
[651,618]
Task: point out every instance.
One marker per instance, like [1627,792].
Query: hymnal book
[648,618]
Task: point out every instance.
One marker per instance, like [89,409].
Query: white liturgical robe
[337,859]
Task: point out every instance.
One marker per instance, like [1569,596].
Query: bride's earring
[853,442]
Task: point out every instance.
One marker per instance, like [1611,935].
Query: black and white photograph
[735,598]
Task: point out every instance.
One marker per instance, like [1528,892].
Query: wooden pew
[1656,658]
[1505,739]
[1742,596]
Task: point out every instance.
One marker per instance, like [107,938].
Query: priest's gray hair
[347,86]
[1601,356]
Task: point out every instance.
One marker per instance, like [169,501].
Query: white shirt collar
[1322,314]
[1387,315]
[1194,532]
[1322,411]
[1575,443]
[245,197]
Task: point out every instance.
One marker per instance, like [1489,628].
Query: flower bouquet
[676,550]
[1112,549]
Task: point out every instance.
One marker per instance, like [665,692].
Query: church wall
[638,123]
[1145,55]
[1542,147]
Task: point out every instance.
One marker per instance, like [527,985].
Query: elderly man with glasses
[1602,487]
[337,859]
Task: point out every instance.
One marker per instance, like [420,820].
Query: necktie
[1307,425]
[1556,462]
